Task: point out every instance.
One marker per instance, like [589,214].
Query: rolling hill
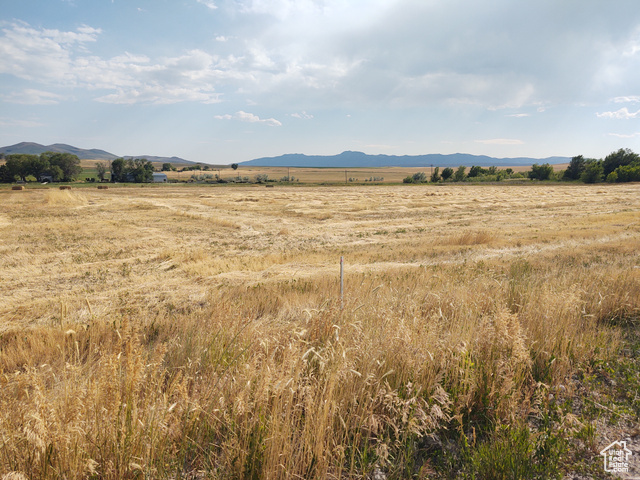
[31,148]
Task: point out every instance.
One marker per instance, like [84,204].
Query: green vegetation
[617,167]
[51,166]
[139,170]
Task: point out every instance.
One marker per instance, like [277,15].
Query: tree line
[56,167]
[620,166]
[138,170]
[65,167]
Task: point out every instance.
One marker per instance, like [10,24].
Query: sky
[224,81]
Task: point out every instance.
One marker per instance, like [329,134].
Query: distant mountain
[31,148]
[351,159]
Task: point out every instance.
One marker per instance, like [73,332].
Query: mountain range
[31,148]
[350,159]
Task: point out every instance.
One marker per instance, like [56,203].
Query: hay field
[197,331]
[327,175]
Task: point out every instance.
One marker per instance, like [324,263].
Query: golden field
[173,331]
[323,175]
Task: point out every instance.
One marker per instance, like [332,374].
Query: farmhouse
[159,177]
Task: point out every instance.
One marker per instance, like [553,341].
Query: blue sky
[222,81]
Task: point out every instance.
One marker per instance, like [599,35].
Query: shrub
[541,172]
[460,174]
[593,172]
[419,177]
[516,452]
[435,176]
[575,168]
[627,173]
[619,159]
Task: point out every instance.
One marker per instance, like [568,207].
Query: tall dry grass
[277,381]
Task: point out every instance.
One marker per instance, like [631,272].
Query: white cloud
[622,135]
[250,118]
[208,3]
[623,114]
[302,115]
[43,55]
[501,141]
[518,115]
[628,99]
[31,96]
[159,95]
[56,58]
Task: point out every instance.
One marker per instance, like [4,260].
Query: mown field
[303,175]
[171,331]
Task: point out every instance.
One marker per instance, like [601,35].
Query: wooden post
[341,282]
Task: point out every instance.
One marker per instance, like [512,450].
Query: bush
[447,173]
[541,172]
[419,177]
[435,176]
[575,169]
[617,159]
[627,173]
[593,172]
[515,452]
[460,174]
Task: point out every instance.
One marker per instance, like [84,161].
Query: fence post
[341,282]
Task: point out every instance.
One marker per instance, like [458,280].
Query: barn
[159,177]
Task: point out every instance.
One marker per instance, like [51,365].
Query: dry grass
[179,330]
[327,175]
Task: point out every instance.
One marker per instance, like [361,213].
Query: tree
[593,172]
[37,166]
[575,168]
[5,176]
[141,169]
[117,169]
[435,176]
[56,173]
[447,173]
[166,167]
[419,177]
[69,164]
[101,170]
[622,157]
[234,166]
[475,171]
[541,172]
[626,173]
[459,175]
[18,165]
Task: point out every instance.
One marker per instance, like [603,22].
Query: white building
[159,177]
